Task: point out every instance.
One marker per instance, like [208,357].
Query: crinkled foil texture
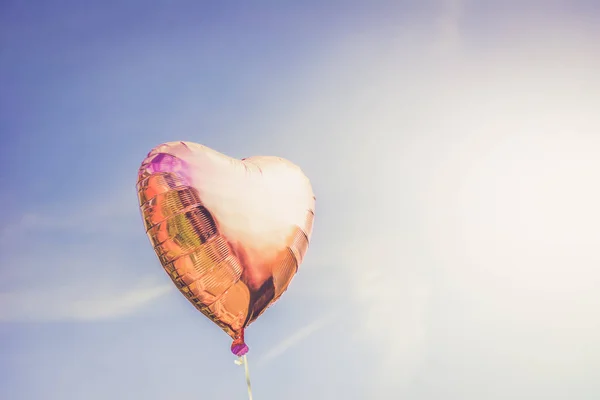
[217,257]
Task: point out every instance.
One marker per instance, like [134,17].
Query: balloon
[230,233]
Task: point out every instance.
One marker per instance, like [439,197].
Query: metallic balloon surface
[230,233]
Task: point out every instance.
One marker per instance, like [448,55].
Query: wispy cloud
[449,25]
[392,294]
[77,303]
[84,266]
[280,348]
[88,214]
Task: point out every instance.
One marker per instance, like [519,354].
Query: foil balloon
[230,233]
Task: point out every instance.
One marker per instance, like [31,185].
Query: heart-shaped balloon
[230,233]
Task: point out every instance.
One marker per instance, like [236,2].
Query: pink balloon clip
[239,347]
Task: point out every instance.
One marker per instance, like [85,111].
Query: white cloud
[391,297]
[449,35]
[107,212]
[77,303]
[73,260]
[298,336]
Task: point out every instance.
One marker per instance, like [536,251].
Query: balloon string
[244,360]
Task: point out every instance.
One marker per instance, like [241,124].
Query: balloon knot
[239,347]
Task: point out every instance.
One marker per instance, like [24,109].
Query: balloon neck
[239,347]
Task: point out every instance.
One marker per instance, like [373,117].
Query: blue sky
[452,147]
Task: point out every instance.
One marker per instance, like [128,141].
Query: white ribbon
[244,361]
